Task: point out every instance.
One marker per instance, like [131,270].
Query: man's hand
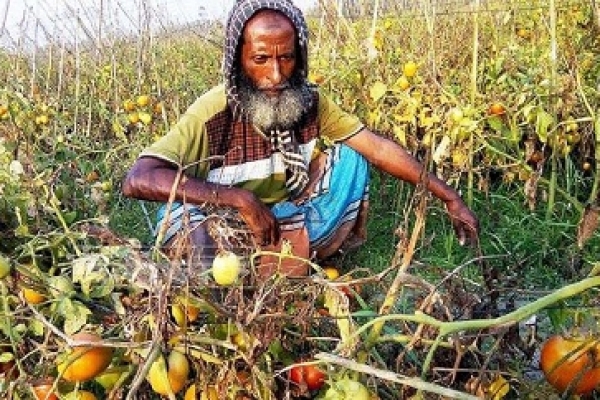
[464,221]
[260,220]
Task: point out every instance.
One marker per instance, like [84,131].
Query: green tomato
[347,389]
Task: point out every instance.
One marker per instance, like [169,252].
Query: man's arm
[152,179]
[392,158]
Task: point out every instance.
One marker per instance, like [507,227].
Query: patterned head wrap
[241,12]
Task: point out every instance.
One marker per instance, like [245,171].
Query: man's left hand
[464,221]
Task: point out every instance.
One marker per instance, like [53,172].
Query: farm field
[501,99]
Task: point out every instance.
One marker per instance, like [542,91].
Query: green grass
[530,251]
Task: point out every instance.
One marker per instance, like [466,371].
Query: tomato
[309,375]
[410,69]
[43,391]
[170,374]
[496,109]
[331,273]
[226,268]
[571,363]
[85,362]
[347,388]
[81,395]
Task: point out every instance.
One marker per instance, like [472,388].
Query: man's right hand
[153,179]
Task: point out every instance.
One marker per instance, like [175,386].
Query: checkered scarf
[285,142]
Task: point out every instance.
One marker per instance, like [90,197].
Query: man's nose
[275,74]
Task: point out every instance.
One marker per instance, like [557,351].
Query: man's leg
[335,211]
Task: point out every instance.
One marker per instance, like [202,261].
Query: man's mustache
[282,86]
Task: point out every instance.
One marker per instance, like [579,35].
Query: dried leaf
[587,225]
[531,190]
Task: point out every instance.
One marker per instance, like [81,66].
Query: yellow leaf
[400,134]
[339,310]
[378,90]
[499,388]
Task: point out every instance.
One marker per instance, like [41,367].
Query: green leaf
[92,274]
[75,314]
[543,122]
[495,123]
[36,327]
[70,217]
[558,315]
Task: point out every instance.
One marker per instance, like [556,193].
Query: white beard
[272,113]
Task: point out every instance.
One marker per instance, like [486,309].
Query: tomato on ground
[571,363]
[310,375]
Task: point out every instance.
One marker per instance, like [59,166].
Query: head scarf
[282,141]
[239,15]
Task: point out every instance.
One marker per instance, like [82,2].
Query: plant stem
[450,327]
[552,89]
[474,62]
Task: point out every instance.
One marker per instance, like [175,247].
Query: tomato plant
[309,375]
[571,363]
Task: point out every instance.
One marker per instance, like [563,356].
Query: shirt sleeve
[334,123]
[186,143]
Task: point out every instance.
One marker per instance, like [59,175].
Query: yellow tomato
[85,362]
[170,375]
[81,395]
[331,273]
[32,296]
[209,393]
[403,83]
[410,69]
[143,100]
[226,268]
[145,117]
[41,119]
[128,105]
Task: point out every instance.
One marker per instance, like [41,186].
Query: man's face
[270,88]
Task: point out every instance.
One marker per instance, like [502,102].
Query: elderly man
[274,151]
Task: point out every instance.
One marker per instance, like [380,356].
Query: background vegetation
[499,98]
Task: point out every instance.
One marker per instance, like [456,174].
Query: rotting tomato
[309,375]
[571,363]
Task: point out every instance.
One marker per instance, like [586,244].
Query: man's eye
[260,59]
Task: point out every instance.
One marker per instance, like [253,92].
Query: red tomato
[571,363]
[310,375]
